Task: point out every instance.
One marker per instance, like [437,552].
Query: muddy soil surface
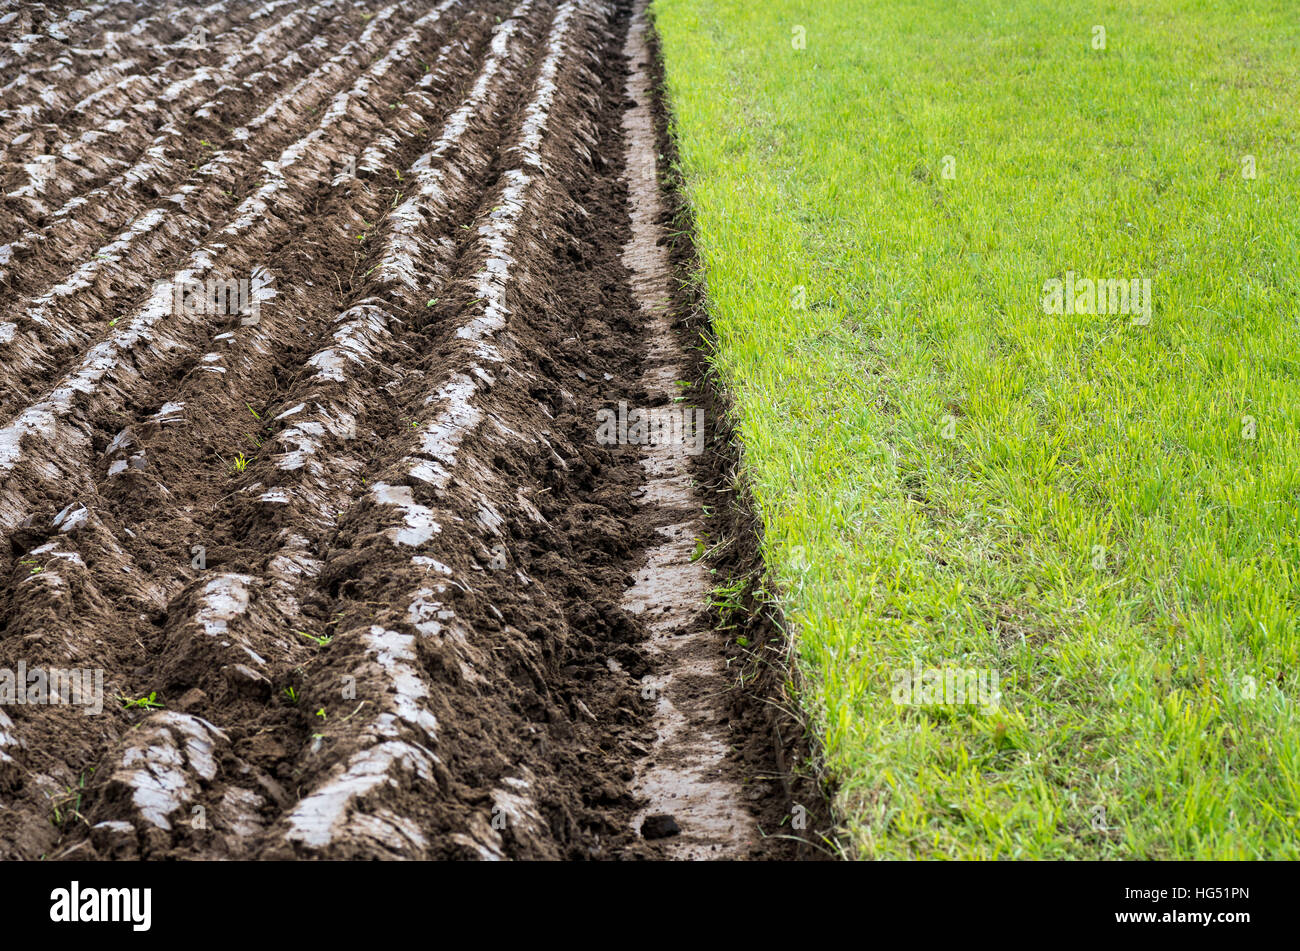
[310,314]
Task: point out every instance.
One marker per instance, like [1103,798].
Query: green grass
[1101,528]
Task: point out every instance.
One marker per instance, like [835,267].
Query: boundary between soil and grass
[779,747]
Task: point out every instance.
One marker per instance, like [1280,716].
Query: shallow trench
[685,781]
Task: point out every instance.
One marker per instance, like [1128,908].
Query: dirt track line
[398,263]
[332,818]
[324,406]
[685,778]
[336,401]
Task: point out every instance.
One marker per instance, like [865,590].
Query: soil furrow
[76,70]
[186,651]
[137,559]
[40,257]
[224,174]
[71,103]
[69,38]
[687,777]
[287,185]
[395,755]
[42,184]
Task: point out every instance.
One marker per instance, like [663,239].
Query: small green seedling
[68,805]
[150,702]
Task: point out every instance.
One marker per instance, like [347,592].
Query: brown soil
[364,545]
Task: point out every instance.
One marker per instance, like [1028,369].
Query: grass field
[1099,508]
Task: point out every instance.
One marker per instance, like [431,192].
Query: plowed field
[309,313]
